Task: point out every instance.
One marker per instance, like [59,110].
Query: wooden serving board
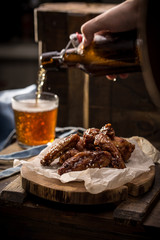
[75,192]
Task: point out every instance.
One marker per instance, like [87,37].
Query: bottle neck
[50,60]
[56,60]
[72,57]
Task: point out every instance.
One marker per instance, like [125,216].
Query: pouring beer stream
[40,82]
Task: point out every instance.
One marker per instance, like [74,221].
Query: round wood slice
[142,183]
[75,192]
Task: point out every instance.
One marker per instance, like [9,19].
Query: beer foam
[30,105]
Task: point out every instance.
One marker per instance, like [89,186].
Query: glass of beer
[35,119]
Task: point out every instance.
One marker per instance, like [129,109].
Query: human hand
[121,18]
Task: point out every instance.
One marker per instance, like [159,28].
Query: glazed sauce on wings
[96,149]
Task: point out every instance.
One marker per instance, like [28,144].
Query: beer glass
[35,119]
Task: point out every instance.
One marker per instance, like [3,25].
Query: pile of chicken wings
[97,148]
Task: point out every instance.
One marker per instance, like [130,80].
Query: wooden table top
[31,217]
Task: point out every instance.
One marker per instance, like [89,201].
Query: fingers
[114,76]
[124,75]
[92,27]
[122,17]
[111,77]
[88,33]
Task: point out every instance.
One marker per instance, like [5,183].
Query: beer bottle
[110,53]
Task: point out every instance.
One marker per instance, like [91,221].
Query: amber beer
[110,53]
[35,121]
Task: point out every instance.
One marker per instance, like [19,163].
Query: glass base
[24,146]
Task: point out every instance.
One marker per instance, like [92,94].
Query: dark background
[18,50]
[17,18]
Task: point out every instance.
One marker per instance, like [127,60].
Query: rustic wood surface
[142,183]
[136,210]
[37,218]
[130,210]
[75,192]
[69,193]
[14,192]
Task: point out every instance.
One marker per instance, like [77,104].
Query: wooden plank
[86,102]
[138,122]
[140,184]
[52,30]
[13,192]
[134,210]
[152,220]
[100,101]
[68,193]
[75,97]
[78,94]
[75,8]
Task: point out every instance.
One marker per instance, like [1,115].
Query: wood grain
[70,193]
[13,192]
[75,192]
[142,183]
[134,210]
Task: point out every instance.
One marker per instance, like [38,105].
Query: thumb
[88,35]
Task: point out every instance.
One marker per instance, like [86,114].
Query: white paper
[97,180]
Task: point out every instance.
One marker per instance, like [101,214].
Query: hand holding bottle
[109,45]
[121,18]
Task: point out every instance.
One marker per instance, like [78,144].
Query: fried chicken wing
[80,145]
[105,143]
[84,160]
[108,130]
[68,154]
[62,146]
[89,136]
[125,148]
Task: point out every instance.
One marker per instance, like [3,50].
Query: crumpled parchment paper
[97,180]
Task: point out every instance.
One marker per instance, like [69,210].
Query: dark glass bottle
[110,53]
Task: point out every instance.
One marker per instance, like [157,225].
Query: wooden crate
[53,25]
[92,101]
